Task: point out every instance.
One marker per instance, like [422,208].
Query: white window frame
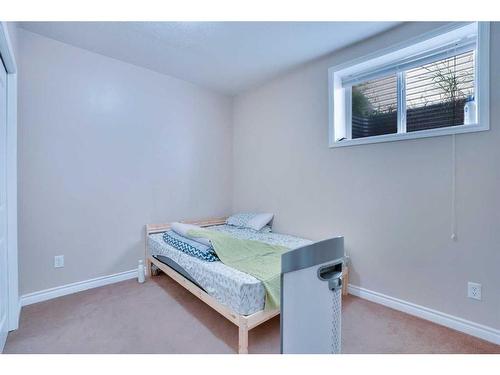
[339,102]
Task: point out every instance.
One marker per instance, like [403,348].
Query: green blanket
[259,259]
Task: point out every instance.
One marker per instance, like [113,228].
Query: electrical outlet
[59,261]
[474,290]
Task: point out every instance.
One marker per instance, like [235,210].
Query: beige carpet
[162,317]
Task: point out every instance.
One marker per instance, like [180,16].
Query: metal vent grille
[336,321]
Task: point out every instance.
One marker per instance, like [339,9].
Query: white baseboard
[44,295]
[466,326]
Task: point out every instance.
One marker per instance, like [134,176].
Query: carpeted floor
[162,317]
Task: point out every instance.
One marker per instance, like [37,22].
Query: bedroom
[272,132]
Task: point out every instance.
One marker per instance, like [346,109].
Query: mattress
[241,292]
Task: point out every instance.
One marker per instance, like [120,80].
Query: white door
[4,291]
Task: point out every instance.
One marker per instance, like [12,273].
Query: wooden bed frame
[244,322]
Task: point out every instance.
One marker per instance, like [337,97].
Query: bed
[237,296]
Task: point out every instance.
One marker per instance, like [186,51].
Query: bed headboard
[158,228]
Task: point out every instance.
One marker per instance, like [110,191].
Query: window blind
[436,92]
[457,47]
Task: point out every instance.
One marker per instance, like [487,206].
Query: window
[374,105]
[434,86]
[436,93]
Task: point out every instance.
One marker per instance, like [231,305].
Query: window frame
[340,124]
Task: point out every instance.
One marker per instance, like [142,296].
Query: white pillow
[259,221]
[250,220]
[183,228]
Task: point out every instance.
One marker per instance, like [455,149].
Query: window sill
[413,135]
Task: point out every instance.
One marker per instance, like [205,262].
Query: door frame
[7,53]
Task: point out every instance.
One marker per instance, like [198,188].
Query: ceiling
[228,57]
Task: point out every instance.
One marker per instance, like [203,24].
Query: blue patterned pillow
[190,247]
[240,220]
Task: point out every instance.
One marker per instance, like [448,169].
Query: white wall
[391,201]
[104,148]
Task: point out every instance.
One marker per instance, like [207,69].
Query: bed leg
[149,266]
[345,281]
[243,338]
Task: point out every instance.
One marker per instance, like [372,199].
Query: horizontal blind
[374,107]
[381,93]
[432,83]
[436,92]
[457,47]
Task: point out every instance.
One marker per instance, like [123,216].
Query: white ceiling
[228,57]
